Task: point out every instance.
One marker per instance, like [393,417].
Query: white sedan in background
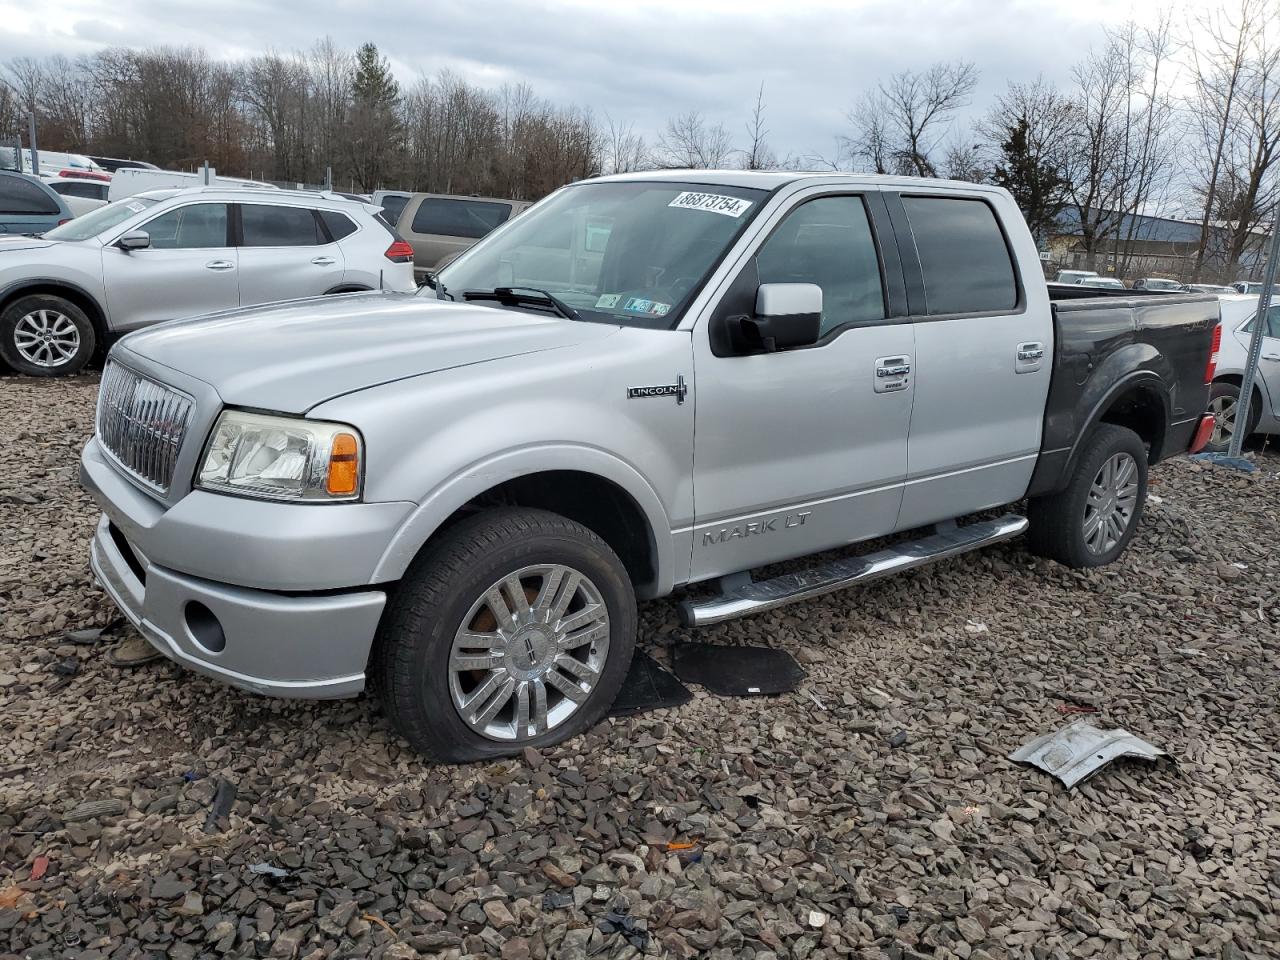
[1238,315]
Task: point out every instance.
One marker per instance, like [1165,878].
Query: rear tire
[495,610]
[42,335]
[1224,404]
[1091,521]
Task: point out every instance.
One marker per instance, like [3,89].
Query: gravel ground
[870,814]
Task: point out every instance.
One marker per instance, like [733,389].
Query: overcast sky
[638,61]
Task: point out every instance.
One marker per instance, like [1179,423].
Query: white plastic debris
[817,919]
[975,627]
[1079,750]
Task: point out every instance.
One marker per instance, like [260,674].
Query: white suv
[169,254]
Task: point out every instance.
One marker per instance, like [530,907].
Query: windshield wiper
[514,297]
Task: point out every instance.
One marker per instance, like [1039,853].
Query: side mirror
[787,315]
[134,240]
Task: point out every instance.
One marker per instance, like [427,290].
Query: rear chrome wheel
[1112,500]
[529,652]
[1224,409]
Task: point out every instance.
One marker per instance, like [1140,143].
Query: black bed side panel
[1105,347]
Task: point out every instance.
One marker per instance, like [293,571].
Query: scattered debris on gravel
[870,813]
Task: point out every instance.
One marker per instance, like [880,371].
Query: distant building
[1142,246]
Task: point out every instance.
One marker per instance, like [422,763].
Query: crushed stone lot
[872,813]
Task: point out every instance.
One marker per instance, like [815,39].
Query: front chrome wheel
[529,653]
[46,338]
[1112,501]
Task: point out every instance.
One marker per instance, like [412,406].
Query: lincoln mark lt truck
[644,382]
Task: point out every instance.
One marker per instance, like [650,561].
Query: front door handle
[1271,356]
[324,261]
[892,374]
[219,265]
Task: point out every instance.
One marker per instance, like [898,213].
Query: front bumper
[276,644]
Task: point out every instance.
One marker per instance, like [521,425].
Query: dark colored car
[28,205]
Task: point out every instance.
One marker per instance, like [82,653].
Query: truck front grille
[141,424]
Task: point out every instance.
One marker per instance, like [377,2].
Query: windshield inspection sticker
[135,206]
[651,307]
[608,300]
[712,203]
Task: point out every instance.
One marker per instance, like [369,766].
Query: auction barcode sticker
[712,203]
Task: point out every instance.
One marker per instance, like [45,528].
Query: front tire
[1090,523]
[515,631]
[46,336]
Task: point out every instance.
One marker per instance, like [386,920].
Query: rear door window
[19,196]
[965,260]
[266,225]
[459,218]
[193,227]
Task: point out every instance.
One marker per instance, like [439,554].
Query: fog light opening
[204,627]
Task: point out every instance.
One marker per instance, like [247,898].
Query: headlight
[282,458]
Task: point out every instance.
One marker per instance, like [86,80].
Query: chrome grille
[141,423]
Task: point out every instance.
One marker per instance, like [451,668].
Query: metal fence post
[1255,341]
[35,152]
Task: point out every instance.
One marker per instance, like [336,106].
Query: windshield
[96,221]
[628,253]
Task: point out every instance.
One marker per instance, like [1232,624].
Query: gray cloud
[637,63]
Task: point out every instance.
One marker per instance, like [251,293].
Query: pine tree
[374,129]
[1036,184]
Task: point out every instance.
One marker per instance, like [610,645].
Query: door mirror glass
[787,315]
[134,240]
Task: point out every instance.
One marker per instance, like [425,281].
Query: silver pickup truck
[645,382]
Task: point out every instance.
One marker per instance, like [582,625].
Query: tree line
[1154,119]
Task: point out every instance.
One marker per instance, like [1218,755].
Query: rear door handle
[1271,356]
[219,265]
[1028,357]
[324,261]
[892,374]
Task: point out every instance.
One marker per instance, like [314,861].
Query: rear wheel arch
[1141,407]
[1238,380]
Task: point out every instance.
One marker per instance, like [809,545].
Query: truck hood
[12,244]
[292,356]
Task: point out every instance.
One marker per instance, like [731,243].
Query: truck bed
[1152,348]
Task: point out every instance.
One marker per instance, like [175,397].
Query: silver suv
[169,254]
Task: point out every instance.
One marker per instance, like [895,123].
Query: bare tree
[901,123]
[689,141]
[624,149]
[1224,39]
[758,155]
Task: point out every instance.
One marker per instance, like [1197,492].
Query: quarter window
[828,241]
[265,225]
[963,255]
[458,218]
[339,224]
[193,227]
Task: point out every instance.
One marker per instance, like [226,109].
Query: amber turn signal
[344,465]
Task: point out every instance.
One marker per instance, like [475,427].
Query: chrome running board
[948,541]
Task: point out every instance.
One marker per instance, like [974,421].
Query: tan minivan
[439,226]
